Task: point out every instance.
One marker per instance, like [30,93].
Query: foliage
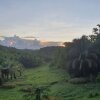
[29,61]
[37,93]
[26,58]
[43,75]
[78,80]
[81,57]
[8,86]
[87,65]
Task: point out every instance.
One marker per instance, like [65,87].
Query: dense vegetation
[28,58]
[14,61]
[40,72]
[80,58]
[55,80]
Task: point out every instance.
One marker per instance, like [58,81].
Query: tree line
[81,57]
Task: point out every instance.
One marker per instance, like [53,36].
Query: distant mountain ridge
[20,43]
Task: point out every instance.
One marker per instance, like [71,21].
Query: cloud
[49,29]
[2,36]
[29,37]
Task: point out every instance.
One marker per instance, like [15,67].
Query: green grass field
[57,82]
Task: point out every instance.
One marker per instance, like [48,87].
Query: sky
[49,20]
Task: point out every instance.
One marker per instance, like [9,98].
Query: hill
[29,58]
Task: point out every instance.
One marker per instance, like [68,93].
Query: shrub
[78,80]
[1,82]
[93,94]
[53,83]
[8,86]
[27,89]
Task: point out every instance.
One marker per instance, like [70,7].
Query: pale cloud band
[52,20]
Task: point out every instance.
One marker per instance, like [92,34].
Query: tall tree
[99,28]
[92,38]
[95,30]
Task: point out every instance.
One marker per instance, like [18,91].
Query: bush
[27,89]
[78,80]
[30,62]
[1,82]
[8,86]
[93,94]
[53,83]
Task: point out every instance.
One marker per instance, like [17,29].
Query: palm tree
[86,65]
[99,27]
[95,30]
[76,68]
[92,38]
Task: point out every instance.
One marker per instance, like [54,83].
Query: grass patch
[57,82]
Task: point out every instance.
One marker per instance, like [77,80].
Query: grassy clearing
[57,82]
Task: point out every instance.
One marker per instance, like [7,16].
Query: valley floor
[57,82]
